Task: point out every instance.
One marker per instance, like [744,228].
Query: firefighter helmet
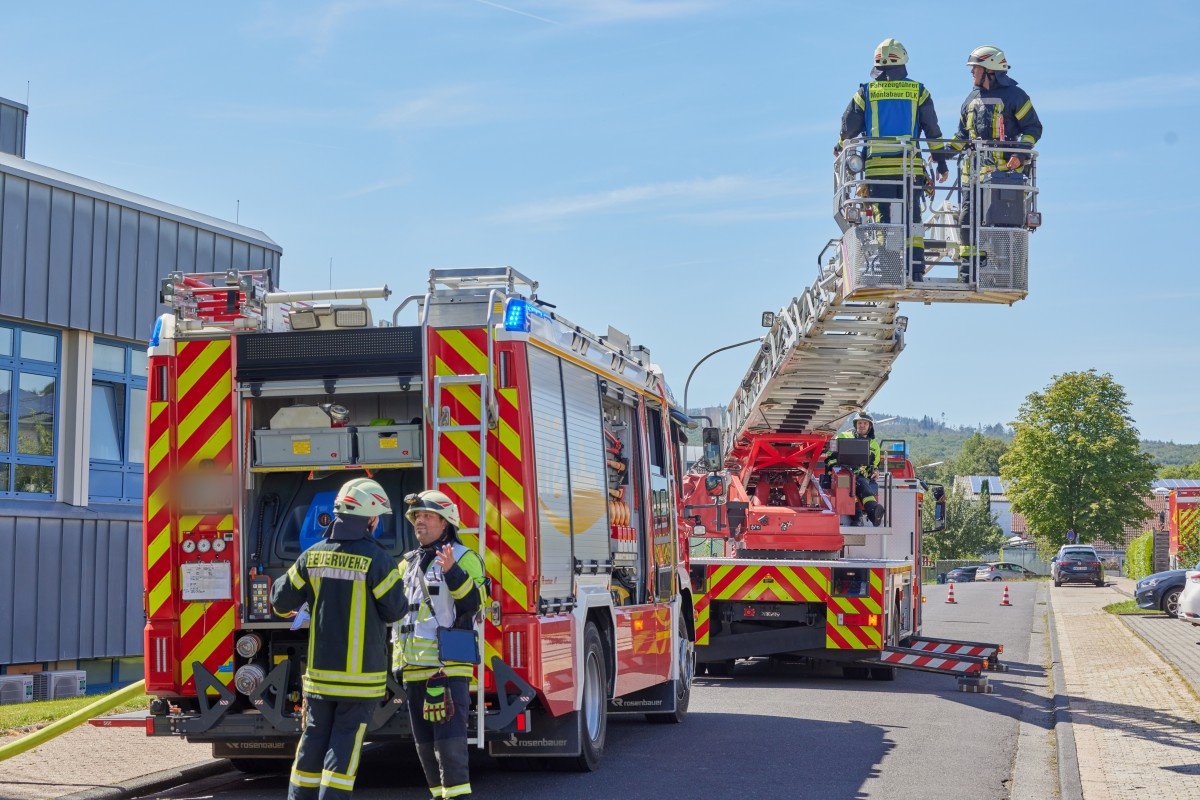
[863,416]
[435,501]
[890,53]
[362,497]
[989,57]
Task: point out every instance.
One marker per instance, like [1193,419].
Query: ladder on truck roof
[823,358]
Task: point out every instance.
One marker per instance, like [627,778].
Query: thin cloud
[517,11]
[372,188]
[1151,91]
[449,105]
[726,188]
[610,11]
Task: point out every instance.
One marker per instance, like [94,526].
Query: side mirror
[710,440]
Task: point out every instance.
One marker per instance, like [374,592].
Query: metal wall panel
[553,477]
[12,127]
[72,258]
[70,588]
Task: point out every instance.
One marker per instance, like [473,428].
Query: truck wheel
[686,653]
[1170,603]
[593,709]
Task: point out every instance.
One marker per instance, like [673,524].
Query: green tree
[1190,472]
[979,455]
[971,527]
[1075,462]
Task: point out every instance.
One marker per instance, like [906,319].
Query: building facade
[81,265]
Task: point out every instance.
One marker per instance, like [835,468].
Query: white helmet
[863,416]
[362,497]
[435,501]
[989,57]
[890,53]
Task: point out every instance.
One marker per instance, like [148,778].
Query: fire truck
[778,568]
[1183,526]
[560,447]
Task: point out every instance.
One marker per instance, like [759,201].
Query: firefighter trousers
[914,230]
[442,747]
[327,757]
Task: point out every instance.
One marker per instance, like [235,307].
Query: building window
[118,422]
[29,396]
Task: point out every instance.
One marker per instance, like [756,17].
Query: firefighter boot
[875,512]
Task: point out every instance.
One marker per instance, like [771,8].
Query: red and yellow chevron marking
[856,637]
[157,514]
[464,352]
[700,608]
[204,432]
[768,583]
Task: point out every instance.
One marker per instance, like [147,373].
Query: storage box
[1002,197]
[304,447]
[389,444]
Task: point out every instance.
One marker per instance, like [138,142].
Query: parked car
[1161,590]
[1189,598]
[1077,563]
[961,574]
[1003,571]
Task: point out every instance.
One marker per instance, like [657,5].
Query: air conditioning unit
[16,689]
[59,684]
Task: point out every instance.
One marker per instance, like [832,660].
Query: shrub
[1139,556]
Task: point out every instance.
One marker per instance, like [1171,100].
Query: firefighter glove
[435,704]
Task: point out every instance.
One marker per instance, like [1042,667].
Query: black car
[962,574]
[1077,565]
[1161,591]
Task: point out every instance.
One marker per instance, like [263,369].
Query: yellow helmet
[890,53]
[989,57]
[362,497]
[435,501]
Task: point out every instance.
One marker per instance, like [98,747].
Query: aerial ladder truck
[779,567]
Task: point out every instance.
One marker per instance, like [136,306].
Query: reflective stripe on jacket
[1003,113]
[892,106]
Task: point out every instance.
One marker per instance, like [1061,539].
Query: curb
[154,782]
[1070,785]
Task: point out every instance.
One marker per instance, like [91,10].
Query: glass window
[28,396]
[39,346]
[35,415]
[118,422]
[108,358]
[106,423]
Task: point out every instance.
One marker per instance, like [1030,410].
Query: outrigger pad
[978,685]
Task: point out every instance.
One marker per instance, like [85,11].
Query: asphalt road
[774,730]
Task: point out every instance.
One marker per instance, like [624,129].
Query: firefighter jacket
[353,591]
[454,599]
[1003,113]
[831,460]
[892,105]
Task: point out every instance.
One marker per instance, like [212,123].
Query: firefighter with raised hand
[866,485]
[443,581]
[996,110]
[354,590]
[893,106]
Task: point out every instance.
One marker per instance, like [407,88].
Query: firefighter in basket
[866,486]
[443,581]
[354,590]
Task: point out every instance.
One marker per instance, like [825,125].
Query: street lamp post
[688,383]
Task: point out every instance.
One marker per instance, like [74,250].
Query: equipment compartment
[389,444]
[303,447]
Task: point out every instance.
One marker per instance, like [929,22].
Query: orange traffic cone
[950,594]
[1004,599]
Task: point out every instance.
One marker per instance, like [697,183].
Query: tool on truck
[776,569]
[557,444]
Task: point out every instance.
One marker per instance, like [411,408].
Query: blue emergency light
[516,315]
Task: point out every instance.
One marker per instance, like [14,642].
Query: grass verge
[24,717]
[1129,607]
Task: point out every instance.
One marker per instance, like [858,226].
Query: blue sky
[661,166]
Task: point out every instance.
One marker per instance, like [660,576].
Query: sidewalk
[1134,715]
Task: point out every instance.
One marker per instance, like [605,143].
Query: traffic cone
[1004,599]
[950,594]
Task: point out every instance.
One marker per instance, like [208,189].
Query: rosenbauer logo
[513,741]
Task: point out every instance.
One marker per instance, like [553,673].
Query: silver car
[1189,598]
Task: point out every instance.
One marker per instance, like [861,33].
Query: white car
[1189,598]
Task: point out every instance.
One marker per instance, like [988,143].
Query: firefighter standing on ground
[995,110]
[442,581]
[354,590]
[892,105]
[865,485]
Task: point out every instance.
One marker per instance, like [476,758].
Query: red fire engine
[560,447]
